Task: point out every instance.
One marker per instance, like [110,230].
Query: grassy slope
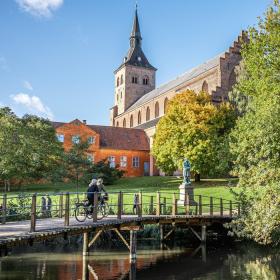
[207,187]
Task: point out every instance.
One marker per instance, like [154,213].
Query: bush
[103,170]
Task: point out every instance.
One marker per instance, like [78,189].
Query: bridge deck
[16,233]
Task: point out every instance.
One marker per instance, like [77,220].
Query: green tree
[256,137]
[29,149]
[77,164]
[255,140]
[9,141]
[196,129]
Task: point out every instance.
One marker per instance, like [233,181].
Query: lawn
[207,187]
[149,186]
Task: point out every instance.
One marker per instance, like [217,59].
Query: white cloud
[33,104]
[40,8]
[27,85]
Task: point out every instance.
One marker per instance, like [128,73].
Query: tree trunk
[197,177]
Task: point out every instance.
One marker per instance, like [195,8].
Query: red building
[127,148]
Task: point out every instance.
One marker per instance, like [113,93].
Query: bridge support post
[158,204]
[60,210]
[85,244]
[221,207]
[132,272]
[203,234]
[4,208]
[33,214]
[95,207]
[211,206]
[133,242]
[120,203]
[174,205]
[85,275]
[67,209]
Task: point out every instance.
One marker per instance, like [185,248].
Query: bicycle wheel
[105,209]
[80,213]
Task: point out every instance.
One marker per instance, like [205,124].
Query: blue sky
[57,57]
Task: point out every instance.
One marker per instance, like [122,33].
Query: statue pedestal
[183,190]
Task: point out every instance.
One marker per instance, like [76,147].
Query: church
[139,104]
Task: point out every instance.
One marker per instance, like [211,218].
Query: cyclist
[92,189]
[102,191]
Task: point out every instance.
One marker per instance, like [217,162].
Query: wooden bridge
[25,219]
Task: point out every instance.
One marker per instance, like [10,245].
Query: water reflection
[238,262]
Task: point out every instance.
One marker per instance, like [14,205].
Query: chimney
[84,121]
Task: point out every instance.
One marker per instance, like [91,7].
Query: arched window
[165,104]
[118,81]
[205,87]
[121,79]
[124,123]
[134,80]
[148,114]
[156,110]
[145,80]
[131,121]
[117,124]
[139,117]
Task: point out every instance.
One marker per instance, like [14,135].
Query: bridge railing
[62,205]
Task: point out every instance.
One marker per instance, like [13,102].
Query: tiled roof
[122,138]
[192,73]
[119,138]
[148,124]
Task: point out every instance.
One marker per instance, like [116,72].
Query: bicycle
[83,210]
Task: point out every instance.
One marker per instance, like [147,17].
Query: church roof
[187,76]
[149,124]
[135,55]
[118,138]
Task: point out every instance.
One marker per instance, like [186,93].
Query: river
[238,261]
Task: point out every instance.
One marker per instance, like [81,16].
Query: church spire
[135,37]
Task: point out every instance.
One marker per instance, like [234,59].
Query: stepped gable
[118,138]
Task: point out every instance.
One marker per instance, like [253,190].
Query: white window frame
[91,140]
[112,161]
[123,161]
[76,139]
[60,137]
[136,162]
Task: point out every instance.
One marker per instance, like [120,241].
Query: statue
[186,172]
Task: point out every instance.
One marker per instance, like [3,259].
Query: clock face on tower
[139,58]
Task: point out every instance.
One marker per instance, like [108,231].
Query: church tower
[135,77]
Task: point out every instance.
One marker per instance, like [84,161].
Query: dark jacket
[90,192]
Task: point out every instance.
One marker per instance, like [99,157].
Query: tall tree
[255,140]
[256,137]
[28,147]
[196,129]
